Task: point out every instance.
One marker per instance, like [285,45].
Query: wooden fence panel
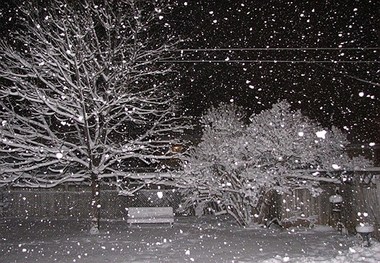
[301,207]
[361,204]
[75,203]
[44,203]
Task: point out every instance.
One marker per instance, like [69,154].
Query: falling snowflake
[321,134]
[335,166]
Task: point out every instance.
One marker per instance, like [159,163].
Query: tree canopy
[237,167]
[83,95]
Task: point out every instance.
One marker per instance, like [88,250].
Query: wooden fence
[75,203]
[301,208]
[53,204]
[361,204]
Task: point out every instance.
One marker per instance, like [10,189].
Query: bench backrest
[150,211]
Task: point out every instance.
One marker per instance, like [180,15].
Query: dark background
[328,93]
[337,93]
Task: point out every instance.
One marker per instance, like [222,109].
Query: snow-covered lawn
[190,240]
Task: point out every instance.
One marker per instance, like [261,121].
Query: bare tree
[83,95]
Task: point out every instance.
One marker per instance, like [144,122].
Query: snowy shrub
[237,168]
[214,167]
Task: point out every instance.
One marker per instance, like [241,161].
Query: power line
[224,49]
[276,49]
[242,61]
[351,76]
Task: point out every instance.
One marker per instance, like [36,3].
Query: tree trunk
[95,205]
[264,208]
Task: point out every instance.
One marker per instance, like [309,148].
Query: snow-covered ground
[190,240]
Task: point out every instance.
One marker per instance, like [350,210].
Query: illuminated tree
[214,160]
[84,95]
[238,168]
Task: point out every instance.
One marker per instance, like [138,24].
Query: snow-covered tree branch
[82,96]
[237,168]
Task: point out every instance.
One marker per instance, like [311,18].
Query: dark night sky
[323,91]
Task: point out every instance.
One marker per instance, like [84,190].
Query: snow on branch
[80,84]
[237,167]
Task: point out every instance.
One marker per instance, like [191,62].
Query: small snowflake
[321,134]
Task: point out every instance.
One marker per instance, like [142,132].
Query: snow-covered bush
[212,172]
[237,168]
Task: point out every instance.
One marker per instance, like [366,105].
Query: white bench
[150,215]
